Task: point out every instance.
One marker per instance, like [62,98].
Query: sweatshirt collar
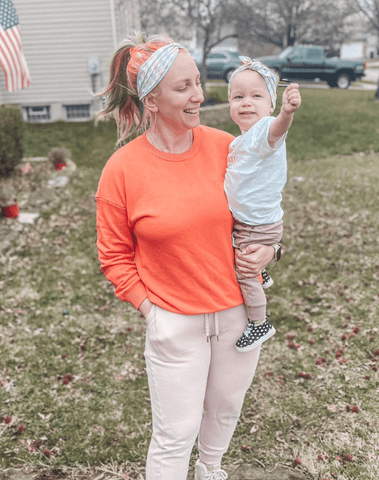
[176,157]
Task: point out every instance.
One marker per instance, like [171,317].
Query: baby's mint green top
[256,175]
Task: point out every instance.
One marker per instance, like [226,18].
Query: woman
[164,240]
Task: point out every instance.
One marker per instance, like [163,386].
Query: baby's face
[249,99]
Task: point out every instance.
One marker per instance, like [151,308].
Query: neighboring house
[365,47]
[362,42]
[68,46]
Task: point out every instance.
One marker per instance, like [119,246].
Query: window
[37,114]
[285,52]
[297,54]
[78,111]
[314,54]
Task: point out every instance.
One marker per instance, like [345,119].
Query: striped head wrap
[156,67]
[266,73]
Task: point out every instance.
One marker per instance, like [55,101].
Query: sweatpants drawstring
[207,329]
[216,325]
[207,326]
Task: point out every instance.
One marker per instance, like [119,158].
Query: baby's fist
[291,98]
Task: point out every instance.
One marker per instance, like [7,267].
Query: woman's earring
[155,122]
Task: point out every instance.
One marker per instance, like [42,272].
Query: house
[68,46]
[363,42]
[364,47]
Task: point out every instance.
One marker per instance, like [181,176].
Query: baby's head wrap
[156,67]
[266,73]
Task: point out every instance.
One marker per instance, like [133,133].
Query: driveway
[371,74]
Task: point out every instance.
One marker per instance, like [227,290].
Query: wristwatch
[278,252]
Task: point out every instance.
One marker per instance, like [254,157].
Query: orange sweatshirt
[164,226]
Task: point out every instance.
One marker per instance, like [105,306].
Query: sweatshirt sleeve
[115,239]
[116,252]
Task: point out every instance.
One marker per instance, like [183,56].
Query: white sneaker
[202,473]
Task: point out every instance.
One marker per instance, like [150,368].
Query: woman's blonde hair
[121,92]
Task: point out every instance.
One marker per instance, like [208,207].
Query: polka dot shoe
[254,336]
[267,280]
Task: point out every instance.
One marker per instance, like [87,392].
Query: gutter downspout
[113,19]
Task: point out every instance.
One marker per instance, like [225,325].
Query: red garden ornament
[60,166]
[11,211]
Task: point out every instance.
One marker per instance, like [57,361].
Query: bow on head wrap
[266,73]
[156,67]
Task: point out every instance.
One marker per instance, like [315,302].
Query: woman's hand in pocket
[145,307]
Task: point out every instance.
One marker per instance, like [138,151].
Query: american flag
[12,58]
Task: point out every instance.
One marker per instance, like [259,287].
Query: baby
[255,178]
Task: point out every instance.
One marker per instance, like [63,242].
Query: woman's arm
[115,245]
[253,259]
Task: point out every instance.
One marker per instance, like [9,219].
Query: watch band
[278,251]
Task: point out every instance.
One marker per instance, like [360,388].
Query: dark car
[221,64]
[307,62]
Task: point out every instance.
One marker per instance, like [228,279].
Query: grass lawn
[72,367]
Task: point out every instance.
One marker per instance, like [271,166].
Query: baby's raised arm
[281,124]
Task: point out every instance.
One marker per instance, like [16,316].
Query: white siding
[59,37]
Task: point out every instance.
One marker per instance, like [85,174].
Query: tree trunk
[204,68]
[291,36]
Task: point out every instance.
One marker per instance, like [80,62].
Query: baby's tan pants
[251,288]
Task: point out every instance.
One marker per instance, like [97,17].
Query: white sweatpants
[196,387]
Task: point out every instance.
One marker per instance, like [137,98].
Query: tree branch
[225,37]
[370,11]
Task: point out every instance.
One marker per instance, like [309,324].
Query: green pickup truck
[308,62]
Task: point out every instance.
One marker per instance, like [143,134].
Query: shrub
[8,194]
[11,136]
[59,155]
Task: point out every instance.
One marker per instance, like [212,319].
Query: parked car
[221,64]
[307,62]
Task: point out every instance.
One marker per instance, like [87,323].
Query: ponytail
[122,97]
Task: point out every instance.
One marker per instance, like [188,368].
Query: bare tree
[370,9]
[285,23]
[207,17]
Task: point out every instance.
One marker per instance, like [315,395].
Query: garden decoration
[8,201]
[59,157]
[11,211]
